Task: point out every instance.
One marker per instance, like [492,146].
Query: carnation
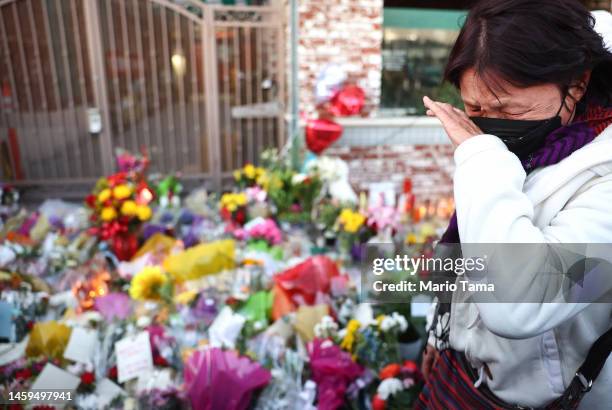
[389,387]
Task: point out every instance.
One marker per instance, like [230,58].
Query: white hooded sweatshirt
[533,349]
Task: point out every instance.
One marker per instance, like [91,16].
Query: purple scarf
[560,144]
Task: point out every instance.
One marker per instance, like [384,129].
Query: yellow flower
[263,181]
[241,199]
[379,320]
[249,171]
[129,208]
[104,195]
[237,175]
[108,213]
[232,201]
[147,283]
[122,191]
[351,220]
[144,212]
[185,297]
[349,338]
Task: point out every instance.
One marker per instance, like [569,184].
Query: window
[416,44]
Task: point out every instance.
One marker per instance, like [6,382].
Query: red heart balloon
[348,101]
[321,133]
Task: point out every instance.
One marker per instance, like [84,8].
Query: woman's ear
[579,87]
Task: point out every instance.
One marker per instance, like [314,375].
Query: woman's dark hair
[527,42]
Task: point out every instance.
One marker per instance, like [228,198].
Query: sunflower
[147,283]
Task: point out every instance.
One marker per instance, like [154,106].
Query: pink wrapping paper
[220,379]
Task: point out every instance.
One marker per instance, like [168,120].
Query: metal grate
[201,87]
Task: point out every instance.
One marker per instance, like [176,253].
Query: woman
[533,165]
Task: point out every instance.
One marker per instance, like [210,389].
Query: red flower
[116,179]
[410,367]
[112,373]
[226,215]
[88,378]
[240,216]
[159,361]
[378,403]
[30,324]
[90,200]
[390,371]
[23,374]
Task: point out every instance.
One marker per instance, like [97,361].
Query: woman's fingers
[430,357]
[456,123]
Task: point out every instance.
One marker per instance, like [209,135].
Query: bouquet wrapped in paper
[333,370]
[302,284]
[200,260]
[120,204]
[220,379]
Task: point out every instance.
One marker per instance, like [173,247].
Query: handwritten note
[134,356]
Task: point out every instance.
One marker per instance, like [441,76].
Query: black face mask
[522,137]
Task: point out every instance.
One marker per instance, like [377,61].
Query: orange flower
[390,371]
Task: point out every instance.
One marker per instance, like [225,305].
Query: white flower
[387,324]
[297,179]
[389,387]
[327,327]
[395,322]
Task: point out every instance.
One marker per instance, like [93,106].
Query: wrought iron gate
[201,87]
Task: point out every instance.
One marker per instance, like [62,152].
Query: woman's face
[531,103]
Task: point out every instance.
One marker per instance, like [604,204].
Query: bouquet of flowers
[120,204]
[399,386]
[250,175]
[233,207]
[353,231]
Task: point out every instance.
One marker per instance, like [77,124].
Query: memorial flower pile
[148,296]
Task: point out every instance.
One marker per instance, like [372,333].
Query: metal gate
[201,87]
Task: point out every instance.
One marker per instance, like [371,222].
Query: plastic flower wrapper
[285,391]
[128,269]
[163,347]
[226,328]
[201,260]
[302,284]
[333,370]
[258,307]
[114,305]
[306,318]
[48,339]
[220,379]
[158,244]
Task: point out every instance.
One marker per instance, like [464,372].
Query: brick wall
[429,166]
[347,33]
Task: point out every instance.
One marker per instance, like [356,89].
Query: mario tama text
[396,278]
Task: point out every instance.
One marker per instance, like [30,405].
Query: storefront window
[416,45]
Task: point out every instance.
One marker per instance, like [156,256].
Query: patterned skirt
[451,387]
